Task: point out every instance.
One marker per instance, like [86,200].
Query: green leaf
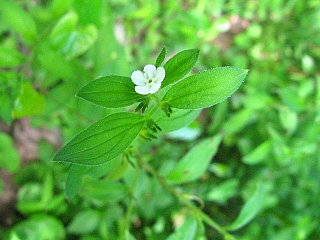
[161,57]
[111,92]
[56,204]
[238,121]
[29,102]
[10,57]
[80,41]
[292,99]
[71,40]
[66,24]
[118,171]
[180,65]
[289,119]
[104,190]
[90,11]
[195,162]
[47,189]
[14,236]
[18,19]
[56,64]
[226,190]
[258,154]
[110,58]
[84,222]
[6,106]
[131,237]
[250,209]
[29,198]
[106,169]
[76,172]
[9,156]
[40,227]
[206,88]
[103,140]
[58,7]
[187,231]
[178,119]
[74,180]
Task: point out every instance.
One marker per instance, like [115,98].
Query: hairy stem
[155,108]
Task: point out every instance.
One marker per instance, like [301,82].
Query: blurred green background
[270,128]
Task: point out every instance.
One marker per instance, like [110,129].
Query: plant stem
[209,221]
[155,108]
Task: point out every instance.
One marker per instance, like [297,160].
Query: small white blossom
[148,81]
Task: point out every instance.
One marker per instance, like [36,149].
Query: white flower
[148,81]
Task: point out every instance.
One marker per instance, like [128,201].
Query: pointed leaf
[178,119]
[259,154]
[250,209]
[206,88]
[196,162]
[222,192]
[161,57]
[111,92]
[85,222]
[103,140]
[74,180]
[179,66]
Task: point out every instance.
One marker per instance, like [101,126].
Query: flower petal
[144,90]
[161,73]
[138,78]
[150,70]
[154,87]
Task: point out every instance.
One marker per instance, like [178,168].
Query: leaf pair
[198,91]
[119,91]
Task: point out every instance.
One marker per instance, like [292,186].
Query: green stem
[209,221]
[155,108]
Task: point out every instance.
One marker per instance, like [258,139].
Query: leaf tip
[196,51]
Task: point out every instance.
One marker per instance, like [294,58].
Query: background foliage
[266,136]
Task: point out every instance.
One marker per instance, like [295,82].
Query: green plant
[258,151]
[112,136]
